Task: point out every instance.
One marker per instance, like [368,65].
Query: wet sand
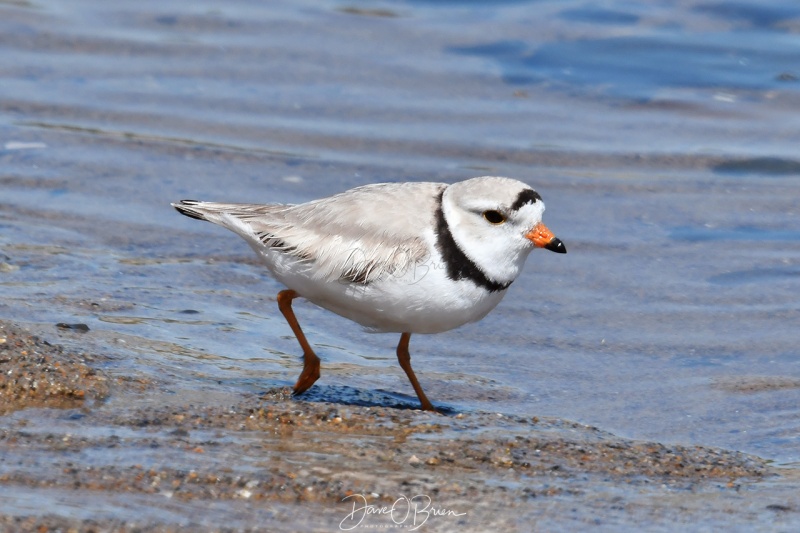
[88,445]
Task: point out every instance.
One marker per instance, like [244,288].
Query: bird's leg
[405,363]
[310,372]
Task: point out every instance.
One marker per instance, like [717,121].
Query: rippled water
[663,137]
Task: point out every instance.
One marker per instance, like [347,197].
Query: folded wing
[358,236]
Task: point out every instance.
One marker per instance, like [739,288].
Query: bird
[404,257]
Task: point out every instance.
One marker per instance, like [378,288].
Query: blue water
[662,137]
[631,67]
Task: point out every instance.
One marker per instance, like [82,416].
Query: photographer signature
[409,512]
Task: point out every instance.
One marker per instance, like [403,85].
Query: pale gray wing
[360,236]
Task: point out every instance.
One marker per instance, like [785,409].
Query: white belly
[423,300]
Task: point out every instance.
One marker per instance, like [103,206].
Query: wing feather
[358,236]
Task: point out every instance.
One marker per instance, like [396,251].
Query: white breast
[422,299]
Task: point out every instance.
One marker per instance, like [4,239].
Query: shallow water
[662,137]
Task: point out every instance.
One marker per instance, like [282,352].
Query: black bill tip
[556,246]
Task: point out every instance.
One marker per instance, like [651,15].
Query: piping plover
[393,257]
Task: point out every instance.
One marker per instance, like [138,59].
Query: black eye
[494,217]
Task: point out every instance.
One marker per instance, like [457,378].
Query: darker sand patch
[756,384]
[35,373]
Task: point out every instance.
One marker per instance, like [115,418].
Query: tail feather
[184,207]
[243,219]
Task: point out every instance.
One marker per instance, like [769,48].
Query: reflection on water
[641,67]
[663,139]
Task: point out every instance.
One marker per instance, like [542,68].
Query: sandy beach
[139,454]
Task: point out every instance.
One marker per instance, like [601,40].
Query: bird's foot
[310,374]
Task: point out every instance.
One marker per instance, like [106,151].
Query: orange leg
[405,363]
[310,372]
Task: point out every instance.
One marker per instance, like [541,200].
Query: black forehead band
[527,196]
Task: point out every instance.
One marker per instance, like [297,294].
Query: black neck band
[459,266]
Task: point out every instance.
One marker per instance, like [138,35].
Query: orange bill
[542,237]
